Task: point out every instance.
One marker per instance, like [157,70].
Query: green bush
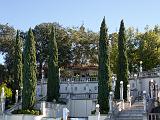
[33,112]
[93,112]
[8,91]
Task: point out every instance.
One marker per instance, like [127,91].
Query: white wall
[143,83]
[77,88]
[94,117]
[81,108]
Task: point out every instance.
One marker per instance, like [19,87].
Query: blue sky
[23,14]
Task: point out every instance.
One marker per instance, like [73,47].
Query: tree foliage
[29,72]
[122,63]
[53,75]
[84,46]
[104,69]
[42,36]
[7,38]
[18,63]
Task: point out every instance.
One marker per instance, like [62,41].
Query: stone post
[144,102]
[128,92]
[113,83]
[156,95]
[140,67]
[43,108]
[121,94]
[65,113]
[59,73]
[16,97]
[97,112]
[42,80]
[87,90]
[129,95]
[156,91]
[3,100]
[151,88]
[121,90]
[68,89]
[21,94]
[111,102]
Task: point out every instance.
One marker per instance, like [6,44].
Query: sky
[23,14]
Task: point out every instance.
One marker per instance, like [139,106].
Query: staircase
[135,112]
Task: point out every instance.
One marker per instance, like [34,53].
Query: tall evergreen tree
[122,64]
[104,69]
[53,77]
[17,65]
[29,72]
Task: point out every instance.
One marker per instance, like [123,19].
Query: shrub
[8,91]
[33,112]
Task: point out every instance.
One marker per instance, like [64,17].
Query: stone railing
[153,116]
[150,105]
[80,96]
[145,75]
[117,107]
[14,107]
[79,79]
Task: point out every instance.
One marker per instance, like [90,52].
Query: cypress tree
[122,64]
[17,65]
[104,69]
[29,72]
[53,77]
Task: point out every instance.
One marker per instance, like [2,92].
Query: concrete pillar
[65,113]
[3,100]
[97,112]
[110,102]
[43,108]
[16,97]
[121,90]
[144,101]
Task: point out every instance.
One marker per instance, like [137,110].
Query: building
[81,90]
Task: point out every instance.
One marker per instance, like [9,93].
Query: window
[132,85]
[66,88]
[84,88]
[95,87]
[75,88]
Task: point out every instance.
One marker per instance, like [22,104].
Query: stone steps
[135,112]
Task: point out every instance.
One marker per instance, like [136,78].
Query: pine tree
[17,65]
[122,70]
[104,69]
[29,72]
[53,77]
